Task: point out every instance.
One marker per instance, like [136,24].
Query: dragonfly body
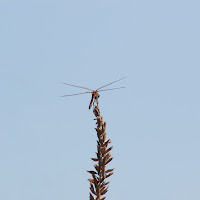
[95,93]
[95,96]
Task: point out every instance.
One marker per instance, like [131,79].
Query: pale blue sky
[46,142]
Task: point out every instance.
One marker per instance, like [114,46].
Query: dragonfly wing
[77,86]
[111,83]
[67,95]
[111,89]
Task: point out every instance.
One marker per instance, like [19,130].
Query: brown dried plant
[98,185]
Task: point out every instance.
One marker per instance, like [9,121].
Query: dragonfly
[95,93]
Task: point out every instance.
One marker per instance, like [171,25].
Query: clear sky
[46,141]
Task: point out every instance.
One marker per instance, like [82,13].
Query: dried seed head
[91,197]
[98,186]
[91,172]
[105,183]
[97,168]
[109,160]
[104,135]
[109,149]
[92,189]
[99,121]
[104,191]
[91,180]
[96,111]
[109,175]
[103,150]
[94,159]
[109,170]
[107,142]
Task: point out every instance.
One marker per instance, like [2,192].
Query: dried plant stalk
[98,185]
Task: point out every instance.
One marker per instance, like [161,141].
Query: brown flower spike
[98,185]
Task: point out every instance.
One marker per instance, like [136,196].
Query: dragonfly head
[97,95]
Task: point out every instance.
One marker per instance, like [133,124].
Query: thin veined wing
[112,83]
[111,89]
[67,95]
[77,86]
